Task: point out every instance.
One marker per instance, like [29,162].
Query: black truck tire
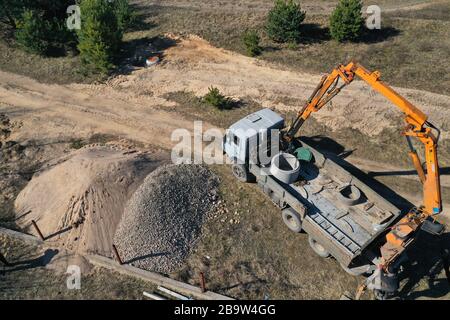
[318,248]
[292,220]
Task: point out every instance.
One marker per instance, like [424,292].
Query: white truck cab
[241,134]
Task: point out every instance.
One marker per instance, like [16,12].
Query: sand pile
[163,218]
[79,200]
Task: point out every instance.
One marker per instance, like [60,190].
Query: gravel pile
[163,218]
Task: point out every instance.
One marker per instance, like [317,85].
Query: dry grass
[191,107]
[32,281]
[46,69]
[399,50]
[313,6]
[435,11]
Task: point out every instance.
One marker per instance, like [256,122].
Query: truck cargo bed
[345,227]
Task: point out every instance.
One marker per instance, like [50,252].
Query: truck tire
[292,220]
[241,173]
[318,248]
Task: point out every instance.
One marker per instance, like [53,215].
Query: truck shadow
[336,152]
[427,273]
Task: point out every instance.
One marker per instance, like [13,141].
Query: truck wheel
[318,248]
[292,220]
[240,172]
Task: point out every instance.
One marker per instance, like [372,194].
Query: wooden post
[116,253]
[202,282]
[37,229]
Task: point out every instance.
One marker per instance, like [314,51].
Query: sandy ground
[125,105]
[132,106]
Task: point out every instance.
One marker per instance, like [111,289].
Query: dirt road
[133,106]
[62,112]
[193,65]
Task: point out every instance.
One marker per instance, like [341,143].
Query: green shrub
[216,99]
[251,41]
[124,14]
[284,21]
[60,37]
[31,33]
[346,21]
[77,144]
[99,37]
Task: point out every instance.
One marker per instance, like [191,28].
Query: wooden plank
[153,296]
[155,278]
[173,293]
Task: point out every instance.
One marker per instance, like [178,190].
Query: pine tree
[346,21]
[284,21]
[31,33]
[251,42]
[124,14]
[99,37]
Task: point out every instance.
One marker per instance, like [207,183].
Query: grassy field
[46,69]
[400,50]
[315,7]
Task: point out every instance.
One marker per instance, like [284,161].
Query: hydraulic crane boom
[416,126]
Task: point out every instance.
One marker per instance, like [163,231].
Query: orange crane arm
[417,124]
[402,233]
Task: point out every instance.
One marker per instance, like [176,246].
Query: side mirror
[223,143]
